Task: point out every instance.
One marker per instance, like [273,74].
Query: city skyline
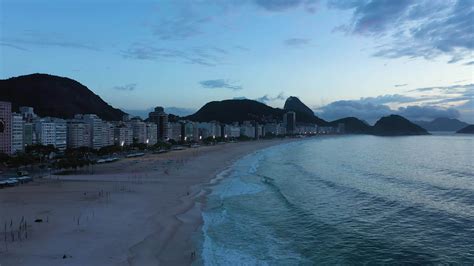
[341,58]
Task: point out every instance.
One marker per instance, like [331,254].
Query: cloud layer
[414,29]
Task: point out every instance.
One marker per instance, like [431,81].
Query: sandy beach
[137,211]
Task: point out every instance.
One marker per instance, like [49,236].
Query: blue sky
[363,58]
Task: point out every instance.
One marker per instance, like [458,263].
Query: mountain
[303,113]
[442,124]
[294,104]
[395,125]
[467,130]
[55,96]
[352,125]
[239,110]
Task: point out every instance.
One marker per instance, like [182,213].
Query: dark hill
[467,130]
[352,125]
[303,113]
[229,111]
[55,96]
[442,124]
[395,125]
[294,104]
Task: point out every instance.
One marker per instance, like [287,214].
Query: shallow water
[348,199]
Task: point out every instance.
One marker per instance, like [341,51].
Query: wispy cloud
[267,98]
[127,87]
[414,29]
[219,84]
[400,85]
[13,46]
[206,56]
[297,42]
[35,38]
[283,5]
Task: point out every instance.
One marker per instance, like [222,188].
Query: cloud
[219,84]
[372,112]
[205,56]
[267,98]
[127,87]
[427,112]
[13,46]
[34,38]
[400,85]
[469,63]
[179,28]
[413,29]
[447,89]
[283,5]
[389,98]
[297,42]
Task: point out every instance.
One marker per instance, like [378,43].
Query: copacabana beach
[137,211]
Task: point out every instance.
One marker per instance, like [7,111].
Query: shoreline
[140,211]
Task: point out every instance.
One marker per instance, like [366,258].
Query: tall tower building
[160,118]
[289,122]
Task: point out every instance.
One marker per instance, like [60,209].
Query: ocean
[345,200]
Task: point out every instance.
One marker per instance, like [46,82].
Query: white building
[247,129]
[151,133]
[232,131]
[175,131]
[273,129]
[208,129]
[78,134]
[51,131]
[123,134]
[139,130]
[17,133]
[97,131]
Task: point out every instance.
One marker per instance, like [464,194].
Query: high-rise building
[51,131]
[232,131]
[27,113]
[289,122]
[139,130]
[45,130]
[151,133]
[247,129]
[160,118]
[78,134]
[28,134]
[17,133]
[176,131]
[96,130]
[123,134]
[6,127]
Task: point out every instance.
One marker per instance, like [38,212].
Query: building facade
[17,133]
[5,127]
[160,118]
[78,134]
[289,122]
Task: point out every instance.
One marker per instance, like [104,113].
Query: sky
[366,58]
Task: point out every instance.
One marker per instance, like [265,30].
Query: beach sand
[137,211]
